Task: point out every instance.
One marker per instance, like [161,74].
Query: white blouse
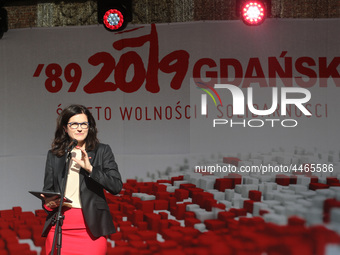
[72,185]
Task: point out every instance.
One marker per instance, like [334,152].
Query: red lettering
[326,72]
[126,113]
[180,66]
[254,65]
[99,84]
[310,73]
[126,60]
[275,69]
[237,74]
[209,74]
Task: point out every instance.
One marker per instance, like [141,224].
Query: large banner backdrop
[147,87]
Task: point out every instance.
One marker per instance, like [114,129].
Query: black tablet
[48,194]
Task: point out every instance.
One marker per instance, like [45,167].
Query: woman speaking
[92,169]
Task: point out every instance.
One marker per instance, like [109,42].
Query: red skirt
[76,237]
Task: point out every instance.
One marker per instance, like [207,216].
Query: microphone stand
[59,217]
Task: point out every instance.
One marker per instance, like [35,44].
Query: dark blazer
[104,175]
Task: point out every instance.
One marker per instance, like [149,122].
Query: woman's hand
[84,162]
[51,202]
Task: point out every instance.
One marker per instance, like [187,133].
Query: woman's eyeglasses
[75,125]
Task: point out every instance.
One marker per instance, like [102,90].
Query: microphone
[71,146]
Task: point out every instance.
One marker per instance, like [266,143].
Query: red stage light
[113,19]
[253,12]
[114,14]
